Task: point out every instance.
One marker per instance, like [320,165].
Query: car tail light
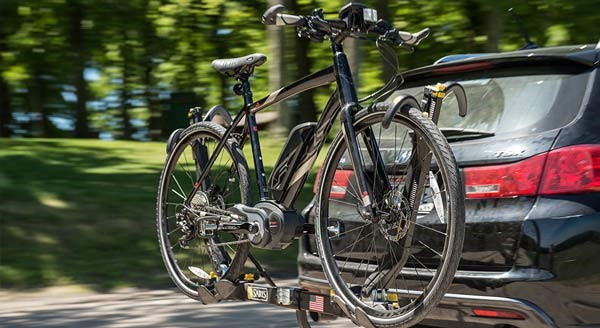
[499,314]
[340,183]
[509,180]
[572,169]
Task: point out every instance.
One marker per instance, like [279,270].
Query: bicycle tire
[184,278]
[330,229]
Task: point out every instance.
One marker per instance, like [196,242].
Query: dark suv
[529,153]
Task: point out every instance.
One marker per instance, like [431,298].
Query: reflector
[502,314]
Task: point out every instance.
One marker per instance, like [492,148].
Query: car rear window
[512,102]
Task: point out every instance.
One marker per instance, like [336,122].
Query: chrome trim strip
[515,274]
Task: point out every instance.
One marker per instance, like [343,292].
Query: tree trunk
[155,123]
[352,49]
[126,119]
[222,48]
[493,29]
[485,19]
[78,52]
[5,109]
[384,12]
[277,71]
[81,115]
[5,96]
[37,99]
[307,110]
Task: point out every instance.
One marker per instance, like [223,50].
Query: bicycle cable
[386,52]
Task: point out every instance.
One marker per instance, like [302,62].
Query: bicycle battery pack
[287,164]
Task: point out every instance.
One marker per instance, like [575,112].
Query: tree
[78,54]
[39,45]
[277,68]
[306,111]
[8,10]
[140,51]
[151,51]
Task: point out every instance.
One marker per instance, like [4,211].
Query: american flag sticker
[315,303]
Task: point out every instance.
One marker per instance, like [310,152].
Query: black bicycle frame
[344,100]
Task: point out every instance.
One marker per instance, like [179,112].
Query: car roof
[585,55]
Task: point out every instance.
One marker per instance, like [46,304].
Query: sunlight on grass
[50,200]
[4,181]
[83,212]
[44,239]
[15,231]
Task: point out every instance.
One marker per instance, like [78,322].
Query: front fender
[173,138]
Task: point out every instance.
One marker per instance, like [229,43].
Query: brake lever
[410,49]
[391,35]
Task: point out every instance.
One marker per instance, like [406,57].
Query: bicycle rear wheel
[393,269]
[192,259]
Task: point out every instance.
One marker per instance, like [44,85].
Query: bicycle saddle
[240,65]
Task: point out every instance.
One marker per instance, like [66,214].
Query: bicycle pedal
[200,273]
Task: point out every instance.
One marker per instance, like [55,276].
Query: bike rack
[299,299]
[293,298]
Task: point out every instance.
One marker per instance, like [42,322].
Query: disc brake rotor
[395,226]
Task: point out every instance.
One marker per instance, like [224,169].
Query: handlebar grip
[413,39]
[270,16]
[273,16]
[285,19]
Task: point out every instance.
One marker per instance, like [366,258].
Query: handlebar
[316,27]
[273,16]
[413,39]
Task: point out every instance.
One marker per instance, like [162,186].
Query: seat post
[243,89]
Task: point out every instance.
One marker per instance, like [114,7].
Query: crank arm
[213,213]
[209,229]
[232,227]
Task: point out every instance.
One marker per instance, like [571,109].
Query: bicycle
[207,221]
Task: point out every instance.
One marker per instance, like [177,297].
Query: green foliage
[82,212]
[143,50]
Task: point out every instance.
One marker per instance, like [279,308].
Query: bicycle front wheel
[194,259]
[393,268]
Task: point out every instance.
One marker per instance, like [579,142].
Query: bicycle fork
[350,106]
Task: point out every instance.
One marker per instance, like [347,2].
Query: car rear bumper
[555,272]
[456,310]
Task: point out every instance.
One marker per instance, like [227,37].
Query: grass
[83,212]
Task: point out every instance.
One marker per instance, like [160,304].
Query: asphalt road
[66,308]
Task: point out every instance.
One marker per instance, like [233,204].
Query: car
[529,157]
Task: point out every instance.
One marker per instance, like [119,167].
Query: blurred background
[89,91]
